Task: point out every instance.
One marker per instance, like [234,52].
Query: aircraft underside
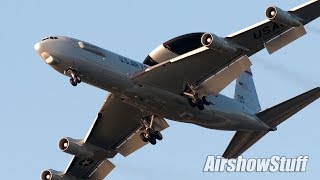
[180,80]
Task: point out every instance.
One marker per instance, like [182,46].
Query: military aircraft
[180,80]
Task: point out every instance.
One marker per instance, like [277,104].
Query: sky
[39,106]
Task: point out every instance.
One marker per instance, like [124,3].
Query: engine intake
[74,147]
[217,43]
[52,175]
[283,17]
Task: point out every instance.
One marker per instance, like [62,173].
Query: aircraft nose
[39,47]
[48,58]
[36,46]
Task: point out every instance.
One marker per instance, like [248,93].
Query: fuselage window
[49,38]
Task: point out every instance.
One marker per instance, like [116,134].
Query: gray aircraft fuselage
[112,72]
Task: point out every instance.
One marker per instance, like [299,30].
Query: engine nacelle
[217,43]
[52,175]
[74,147]
[283,17]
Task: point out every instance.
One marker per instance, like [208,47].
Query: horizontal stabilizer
[243,140]
[279,113]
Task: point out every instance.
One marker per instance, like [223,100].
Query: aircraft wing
[116,130]
[194,68]
[187,60]
[274,35]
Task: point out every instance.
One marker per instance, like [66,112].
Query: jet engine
[74,147]
[52,175]
[217,43]
[283,17]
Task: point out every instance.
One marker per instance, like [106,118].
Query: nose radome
[37,46]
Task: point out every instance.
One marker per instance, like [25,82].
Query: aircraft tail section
[245,91]
[279,113]
[273,116]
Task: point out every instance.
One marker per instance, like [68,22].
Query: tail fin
[273,116]
[245,91]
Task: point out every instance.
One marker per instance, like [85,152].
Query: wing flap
[223,78]
[102,170]
[284,39]
[82,167]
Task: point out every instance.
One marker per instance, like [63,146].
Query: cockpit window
[51,37]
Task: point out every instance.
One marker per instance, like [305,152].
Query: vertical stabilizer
[245,91]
